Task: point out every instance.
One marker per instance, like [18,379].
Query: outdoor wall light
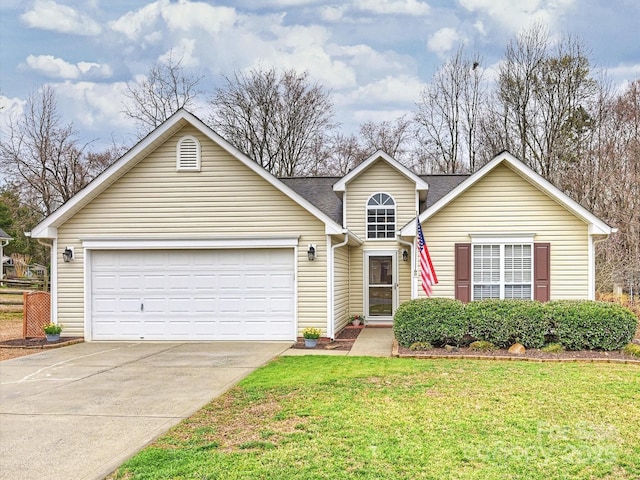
[311,253]
[405,255]
[67,255]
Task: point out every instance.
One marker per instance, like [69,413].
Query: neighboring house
[186,238]
[4,241]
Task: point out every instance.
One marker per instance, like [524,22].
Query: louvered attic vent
[188,157]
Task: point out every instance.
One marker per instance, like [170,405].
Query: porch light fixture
[67,255]
[311,253]
[405,255]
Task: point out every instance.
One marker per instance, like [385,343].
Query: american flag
[427,272]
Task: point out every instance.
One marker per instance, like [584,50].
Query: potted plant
[355,320]
[52,331]
[311,336]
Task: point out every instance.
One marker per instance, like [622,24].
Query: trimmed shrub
[438,321]
[482,346]
[632,349]
[553,348]
[505,322]
[589,325]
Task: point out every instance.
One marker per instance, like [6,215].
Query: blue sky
[373,55]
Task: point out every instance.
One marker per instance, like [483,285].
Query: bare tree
[617,188]
[277,119]
[42,157]
[543,90]
[165,89]
[393,138]
[448,115]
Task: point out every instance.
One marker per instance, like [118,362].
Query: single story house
[186,238]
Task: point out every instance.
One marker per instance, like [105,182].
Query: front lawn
[318,417]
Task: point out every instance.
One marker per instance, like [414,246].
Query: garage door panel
[281,281]
[129,282]
[205,305]
[230,281]
[193,295]
[282,305]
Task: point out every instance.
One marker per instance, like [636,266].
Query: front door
[381,286]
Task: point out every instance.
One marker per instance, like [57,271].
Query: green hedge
[438,321]
[586,325]
[577,325]
[505,322]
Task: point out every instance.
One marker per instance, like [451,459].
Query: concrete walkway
[78,412]
[372,342]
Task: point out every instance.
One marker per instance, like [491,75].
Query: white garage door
[192,294]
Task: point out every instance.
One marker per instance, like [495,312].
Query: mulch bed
[532,354]
[343,341]
[39,342]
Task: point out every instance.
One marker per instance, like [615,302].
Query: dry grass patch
[369,418]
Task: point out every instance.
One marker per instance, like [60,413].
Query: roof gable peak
[341,185]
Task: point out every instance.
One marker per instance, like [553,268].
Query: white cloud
[49,15]
[390,90]
[625,70]
[134,25]
[397,7]
[53,67]
[10,109]
[191,15]
[443,40]
[181,16]
[183,51]
[515,16]
[94,106]
[332,13]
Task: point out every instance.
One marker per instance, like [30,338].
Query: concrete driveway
[80,411]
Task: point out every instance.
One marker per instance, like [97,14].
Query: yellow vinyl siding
[503,203]
[341,287]
[224,199]
[379,177]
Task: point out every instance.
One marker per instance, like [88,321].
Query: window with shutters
[381,216]
[188,154]
[502,271]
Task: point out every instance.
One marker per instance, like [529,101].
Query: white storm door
[380,286]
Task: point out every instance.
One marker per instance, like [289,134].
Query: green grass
[320,417]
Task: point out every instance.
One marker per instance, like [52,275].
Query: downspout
[332,313]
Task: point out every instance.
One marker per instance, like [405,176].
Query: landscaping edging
[395,352]
[45,346]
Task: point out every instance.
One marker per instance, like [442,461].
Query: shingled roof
[319,191]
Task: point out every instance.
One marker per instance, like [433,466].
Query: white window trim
[501,242]
[366,217]
[179,166]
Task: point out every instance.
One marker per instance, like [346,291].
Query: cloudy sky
[373,55]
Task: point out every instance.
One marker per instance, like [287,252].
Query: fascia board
[596,225]
[341,185]
[106,178]
[151,141]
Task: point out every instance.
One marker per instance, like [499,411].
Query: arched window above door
[381,216]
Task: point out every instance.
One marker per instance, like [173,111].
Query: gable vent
[188,157]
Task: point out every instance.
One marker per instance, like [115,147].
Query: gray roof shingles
[319,191]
